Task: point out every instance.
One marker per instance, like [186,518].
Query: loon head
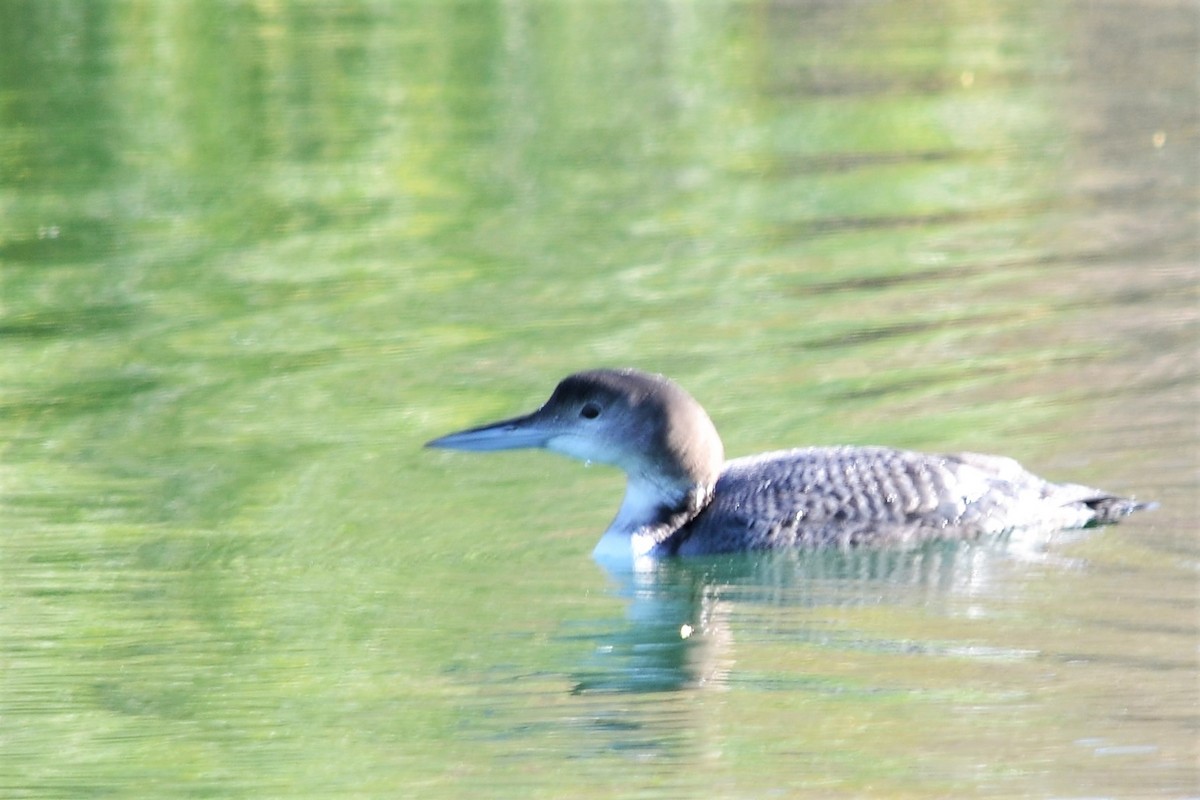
[644,424]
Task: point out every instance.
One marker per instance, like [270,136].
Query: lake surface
[253,255]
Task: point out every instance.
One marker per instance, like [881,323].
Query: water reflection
[678,630]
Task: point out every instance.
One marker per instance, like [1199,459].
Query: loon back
[849,496]
[683,498]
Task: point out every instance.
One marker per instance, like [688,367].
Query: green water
[253,255]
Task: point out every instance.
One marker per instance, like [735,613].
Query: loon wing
[846,496]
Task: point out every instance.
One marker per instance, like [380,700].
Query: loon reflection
[683,498]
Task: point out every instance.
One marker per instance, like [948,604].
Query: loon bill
[684,498]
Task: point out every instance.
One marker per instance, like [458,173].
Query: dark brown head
[642,423]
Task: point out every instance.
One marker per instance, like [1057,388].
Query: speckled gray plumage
[847,496]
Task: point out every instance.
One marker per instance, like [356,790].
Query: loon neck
[650,515]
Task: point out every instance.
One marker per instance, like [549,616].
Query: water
[253,255]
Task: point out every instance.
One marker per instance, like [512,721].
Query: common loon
[683,498]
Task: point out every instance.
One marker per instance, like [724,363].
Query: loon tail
[1110,508]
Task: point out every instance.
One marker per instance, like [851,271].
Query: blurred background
[254,254]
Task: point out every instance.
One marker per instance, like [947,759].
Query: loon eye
[589,411]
